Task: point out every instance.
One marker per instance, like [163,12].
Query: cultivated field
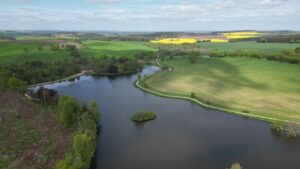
[99,48]
[253,86]
[250,46]
[15,52]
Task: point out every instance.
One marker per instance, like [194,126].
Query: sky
[150,15]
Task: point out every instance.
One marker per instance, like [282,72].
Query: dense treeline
[285,56]
[280,39]
[84,118]
[169,51]
[44,71]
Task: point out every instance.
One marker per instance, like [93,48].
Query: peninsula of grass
[255,88]
[143,116]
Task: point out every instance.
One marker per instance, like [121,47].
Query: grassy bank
[253,87]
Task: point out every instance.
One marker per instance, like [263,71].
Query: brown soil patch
[53,140]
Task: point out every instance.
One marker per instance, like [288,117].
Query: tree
[67,109]
[192,58]
[297,50]
[4,77]
[287,52]
[83,147]
[40,48]
[94,110]
[16,84]
[112,69]
[236,166]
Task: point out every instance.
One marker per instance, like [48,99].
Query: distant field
[250,46]
[260,87]
[15,52]
[45,37]
[99,48]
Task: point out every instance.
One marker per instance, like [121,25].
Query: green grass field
[99,48]
[17,52]
[250,46]
[258,87]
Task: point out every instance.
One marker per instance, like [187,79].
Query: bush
[67,110]
[143,116]
[83,146]
[193,95]
[277,126]
[81,153]
[94,110]
[236,166]
[297,50]
[16,84]
[246,111]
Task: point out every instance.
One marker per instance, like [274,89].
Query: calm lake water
[184,135]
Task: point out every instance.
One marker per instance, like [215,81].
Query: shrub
[143,116]
[277,126]
[291,131]
[236,166]
[94,110]
[81,153]
[16,84]
[193,95]
[67,110]
[297,50]
[246,111]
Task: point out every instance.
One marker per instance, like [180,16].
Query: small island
[143,116]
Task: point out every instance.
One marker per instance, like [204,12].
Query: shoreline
[197,101]
[89,72]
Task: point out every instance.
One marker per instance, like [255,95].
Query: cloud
[184,13]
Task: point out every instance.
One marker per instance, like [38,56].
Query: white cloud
[183,12]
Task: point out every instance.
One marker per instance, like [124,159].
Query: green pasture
[254,86]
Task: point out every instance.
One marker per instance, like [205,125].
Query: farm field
[98,48]
[258,87]
[17,52]
[45,37]
[250,46]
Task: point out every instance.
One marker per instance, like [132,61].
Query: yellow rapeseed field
[219,40]
[241,35]
[175,41]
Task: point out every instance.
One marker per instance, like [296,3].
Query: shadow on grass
[223,75]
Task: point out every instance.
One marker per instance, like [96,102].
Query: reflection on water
[183,136]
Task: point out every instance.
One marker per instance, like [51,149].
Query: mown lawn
[99,48]
[260,87]
[250,46]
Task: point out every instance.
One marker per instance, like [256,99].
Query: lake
[183,136]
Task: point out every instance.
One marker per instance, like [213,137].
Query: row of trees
[85,118]
[285,56]
[43,71]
